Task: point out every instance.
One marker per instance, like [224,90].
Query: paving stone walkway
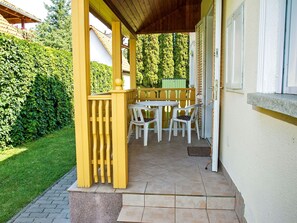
[52,206]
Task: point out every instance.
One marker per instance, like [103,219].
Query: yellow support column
[116,52]
[132,63]
[119,136]
[81,72]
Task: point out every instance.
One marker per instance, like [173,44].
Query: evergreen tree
[181,55]
[55,31]
[150,60]
[166,65]
[139,60]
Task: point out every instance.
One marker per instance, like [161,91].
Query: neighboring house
[252,81]
[101,51]
[15,15]
[10,15]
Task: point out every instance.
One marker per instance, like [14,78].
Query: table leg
[160,121]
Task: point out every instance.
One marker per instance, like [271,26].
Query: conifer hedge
[36,90]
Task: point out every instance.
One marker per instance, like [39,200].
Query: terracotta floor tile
[133,187]
[131,214]
[191,216]
[160,188]
[222,216]
[158,215]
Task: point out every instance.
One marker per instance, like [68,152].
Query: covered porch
[125,182]
[165,185]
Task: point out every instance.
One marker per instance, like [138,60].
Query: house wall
[258,148]
[97,51]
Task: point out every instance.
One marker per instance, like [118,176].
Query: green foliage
[166,65]
[55,31]
[28,170]
[181,55]
[161,56]
[150,60]
[36,95]
[139,60]
[101,76]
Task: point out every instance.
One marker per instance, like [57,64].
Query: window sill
[282,103]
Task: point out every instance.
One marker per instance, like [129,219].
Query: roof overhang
[16,15]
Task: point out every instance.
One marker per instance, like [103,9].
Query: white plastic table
[160,105]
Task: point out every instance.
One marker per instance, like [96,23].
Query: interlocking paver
[52,206]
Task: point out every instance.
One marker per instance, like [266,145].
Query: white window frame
[290,55]
[235,50]
[272,44]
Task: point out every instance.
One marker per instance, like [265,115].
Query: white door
[216,83]
[208,103]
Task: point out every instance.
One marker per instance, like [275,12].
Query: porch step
[146,207]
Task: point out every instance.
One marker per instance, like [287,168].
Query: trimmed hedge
[36,90]
[101,76]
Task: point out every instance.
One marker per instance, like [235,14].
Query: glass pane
[292,66]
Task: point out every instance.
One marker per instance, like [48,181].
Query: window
[290,55]
[234,50]
[277,65]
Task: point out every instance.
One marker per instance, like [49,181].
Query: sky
[36,7]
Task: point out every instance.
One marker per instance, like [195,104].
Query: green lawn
[26,171]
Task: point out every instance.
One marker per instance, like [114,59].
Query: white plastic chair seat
[191,116]
[137,119]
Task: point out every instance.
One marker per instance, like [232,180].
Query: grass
[28,170]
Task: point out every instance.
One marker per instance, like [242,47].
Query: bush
[101,76]
[36,90]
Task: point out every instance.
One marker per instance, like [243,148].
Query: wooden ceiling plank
[132,13]
[141,6]
[123,10]
[174,22]
[145,16]
[149,17]
[138,11]
[120,16]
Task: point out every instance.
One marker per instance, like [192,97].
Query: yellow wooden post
[132,63]
[116,52]
[81,72]
[119,136]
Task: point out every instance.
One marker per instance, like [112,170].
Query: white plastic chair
[191,116]
[137,119]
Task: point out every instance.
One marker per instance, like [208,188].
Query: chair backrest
[193,110]
[136,113]
[194,114]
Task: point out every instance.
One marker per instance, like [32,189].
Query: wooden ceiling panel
[157,16]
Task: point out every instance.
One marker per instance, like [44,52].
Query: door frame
[216,83]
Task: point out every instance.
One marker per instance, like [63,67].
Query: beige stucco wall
[258,147]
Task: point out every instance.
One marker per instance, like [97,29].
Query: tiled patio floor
[166,168]
[167,185]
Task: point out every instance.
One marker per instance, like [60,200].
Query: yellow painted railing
[105,111]
[100,118]
[185,97]
[109,120]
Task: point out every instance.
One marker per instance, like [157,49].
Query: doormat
[199,151]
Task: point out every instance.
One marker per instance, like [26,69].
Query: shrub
[36,90]
[101,76]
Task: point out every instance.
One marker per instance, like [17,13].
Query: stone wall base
[88,207]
